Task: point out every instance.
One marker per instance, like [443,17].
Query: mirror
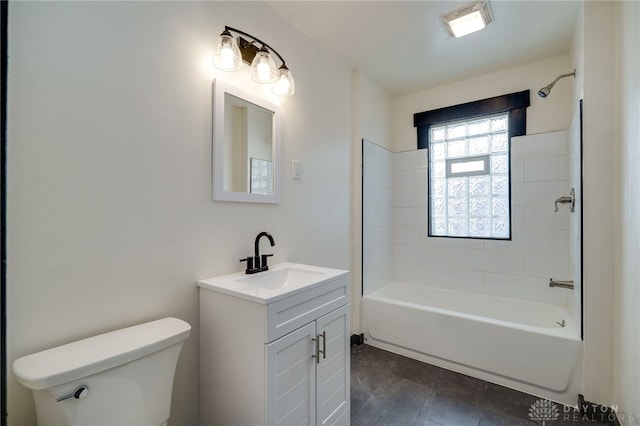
[246,133]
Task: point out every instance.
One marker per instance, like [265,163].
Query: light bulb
[226,58]
[263,69]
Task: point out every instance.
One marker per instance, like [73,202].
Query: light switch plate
[296,170]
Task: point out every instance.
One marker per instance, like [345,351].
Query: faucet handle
[264,261]
[249,261]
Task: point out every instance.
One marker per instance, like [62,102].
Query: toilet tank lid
[95,354]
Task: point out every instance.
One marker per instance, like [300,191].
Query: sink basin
[279,281]
[280,278]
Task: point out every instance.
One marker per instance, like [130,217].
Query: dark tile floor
[389,389]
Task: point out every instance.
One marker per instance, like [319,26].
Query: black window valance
[514,103]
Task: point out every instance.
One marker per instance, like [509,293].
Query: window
[469,178]
[469,165]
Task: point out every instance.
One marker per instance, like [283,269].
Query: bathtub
[511,342]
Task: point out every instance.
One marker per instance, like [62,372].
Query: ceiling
[403,46]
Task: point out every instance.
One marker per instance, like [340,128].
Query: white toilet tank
[124,377]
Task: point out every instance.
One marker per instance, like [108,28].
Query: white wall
[626,352]
[371,112]
[593,56]
[110,216]
[606,54]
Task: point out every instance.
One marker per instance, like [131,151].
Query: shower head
[544,92]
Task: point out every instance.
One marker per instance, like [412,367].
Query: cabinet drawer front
[288,314]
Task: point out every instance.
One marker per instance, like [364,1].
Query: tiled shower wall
[519,268]
[377,216]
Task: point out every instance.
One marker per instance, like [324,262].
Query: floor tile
[358,399]
[416,371]
[507,401]
[399,401]
[388,390]
[369,368]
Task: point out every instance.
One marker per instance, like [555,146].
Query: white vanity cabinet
[282,362]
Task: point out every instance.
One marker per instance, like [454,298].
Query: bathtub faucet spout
[561,284]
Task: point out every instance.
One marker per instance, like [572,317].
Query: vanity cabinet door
[333,370]
[291,378]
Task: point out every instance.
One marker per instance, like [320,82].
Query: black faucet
[258,263]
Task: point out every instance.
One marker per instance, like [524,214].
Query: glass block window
[469,178]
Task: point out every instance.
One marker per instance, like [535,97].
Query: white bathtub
[511,342]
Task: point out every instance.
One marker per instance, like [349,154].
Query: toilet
[124,377]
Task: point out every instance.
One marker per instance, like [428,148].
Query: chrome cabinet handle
[324,345]
[316,355]
[317,349]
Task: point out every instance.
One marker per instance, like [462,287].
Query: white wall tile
[377,216]
[410,216]
[378,237]
[452,278]
[373,278]
[435,256]
[379,256]
[517,170]
[537,193]
[546,169]
[547,266]
[549,242]
[543,217]
[540,145]
[451,242]
[407,160]
[415,178]
[420,255]
[407,235]
[407,272]
[534,241]
[423,158]
[517,218]
[523,287]
[378,166]
[378,210]
[408,254]
[519,268]
[488,261]
[409,197]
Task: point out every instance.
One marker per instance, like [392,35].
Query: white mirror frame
[219,193]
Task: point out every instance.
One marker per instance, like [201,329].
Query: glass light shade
[285,86]
[263,68]
[227,55]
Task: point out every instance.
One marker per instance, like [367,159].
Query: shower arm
[563,76]
[544,92]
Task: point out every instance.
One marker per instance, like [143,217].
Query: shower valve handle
[571,199]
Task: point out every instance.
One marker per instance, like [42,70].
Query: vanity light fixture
[468,19]
[230,54]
